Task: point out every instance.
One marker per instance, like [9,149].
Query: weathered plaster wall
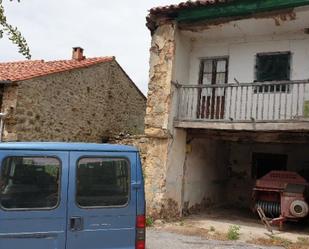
[79,105]
[241,41]
[242,59]
[176,168]
[219,173]
[175,56]
[182,58]
[206,174]
[175,164]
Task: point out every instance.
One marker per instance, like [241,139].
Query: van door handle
[76,224]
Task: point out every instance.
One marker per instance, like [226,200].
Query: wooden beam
[297,125]
[251,137]
[236,8]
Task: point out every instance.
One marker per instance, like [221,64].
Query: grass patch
[302,242]
[281,241]
[233,232]
[212,229]
[149,221]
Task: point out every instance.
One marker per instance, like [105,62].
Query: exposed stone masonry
[157,120]
[81,105]
[155,144]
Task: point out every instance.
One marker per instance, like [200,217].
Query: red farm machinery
[280,196]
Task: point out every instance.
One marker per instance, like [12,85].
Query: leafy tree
[13,34]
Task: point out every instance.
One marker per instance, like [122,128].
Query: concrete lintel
[244,126]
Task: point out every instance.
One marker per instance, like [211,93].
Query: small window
[273,67]
[29,183]
[102,182]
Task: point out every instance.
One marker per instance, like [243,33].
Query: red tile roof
[171,10]
[23,70]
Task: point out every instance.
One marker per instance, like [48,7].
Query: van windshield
[29,183]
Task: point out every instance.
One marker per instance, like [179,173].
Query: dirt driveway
[161,239]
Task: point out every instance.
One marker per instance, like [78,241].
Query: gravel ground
[158,239]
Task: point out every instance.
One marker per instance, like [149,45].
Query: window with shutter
[273,67]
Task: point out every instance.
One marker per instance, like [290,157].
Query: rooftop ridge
[24,70]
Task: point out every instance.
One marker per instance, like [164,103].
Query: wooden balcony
[245,106]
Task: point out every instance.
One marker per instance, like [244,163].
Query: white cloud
[101,27]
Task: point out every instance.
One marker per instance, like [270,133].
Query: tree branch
[13,33]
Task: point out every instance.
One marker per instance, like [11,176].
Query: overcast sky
[101,27]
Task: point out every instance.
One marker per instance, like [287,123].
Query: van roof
[58,146]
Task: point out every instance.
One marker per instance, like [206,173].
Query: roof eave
[45,74]
[219,9]
[237,9]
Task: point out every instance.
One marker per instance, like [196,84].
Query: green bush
[233,232]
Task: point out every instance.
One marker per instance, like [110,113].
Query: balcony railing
[244,102]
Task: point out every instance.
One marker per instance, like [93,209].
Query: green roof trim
[237,8]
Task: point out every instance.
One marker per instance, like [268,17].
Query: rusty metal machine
[280,196]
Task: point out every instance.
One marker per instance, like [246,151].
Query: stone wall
[138,141]
[126,104]
[9,101]
[84,105]
[153,152]
[157,122]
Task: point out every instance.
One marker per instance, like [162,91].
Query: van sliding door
[102,200]
[33,194]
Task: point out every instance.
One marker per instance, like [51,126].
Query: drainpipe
[2,117]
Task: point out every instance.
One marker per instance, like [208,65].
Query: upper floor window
[214,71]
[211,100]
[273,67]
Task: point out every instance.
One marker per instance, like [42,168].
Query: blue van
[71,196]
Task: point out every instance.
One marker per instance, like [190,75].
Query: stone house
[228,101]
[81,99]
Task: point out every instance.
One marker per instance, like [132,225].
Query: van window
[29,183]
[102,182]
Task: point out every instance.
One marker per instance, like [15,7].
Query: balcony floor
[295,125]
